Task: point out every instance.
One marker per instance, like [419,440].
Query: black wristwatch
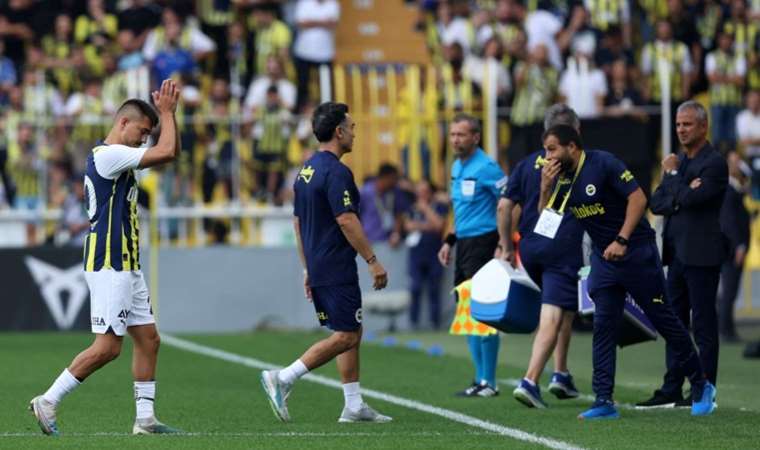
[621,240]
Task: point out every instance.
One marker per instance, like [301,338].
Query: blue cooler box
[505,298]
[635,327]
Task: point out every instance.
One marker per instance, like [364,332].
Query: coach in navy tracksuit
[690,197]
[610,205]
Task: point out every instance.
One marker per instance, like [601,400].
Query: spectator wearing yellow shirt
[59,51]
[26,165]
[272,36]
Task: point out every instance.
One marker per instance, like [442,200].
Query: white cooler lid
[491,283]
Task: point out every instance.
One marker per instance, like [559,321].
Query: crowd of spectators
[246,68]
[248,73]
[602,57]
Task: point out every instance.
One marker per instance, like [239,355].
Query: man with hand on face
[693,246]
[603,195]
[553,264]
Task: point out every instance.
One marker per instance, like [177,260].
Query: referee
[476,182]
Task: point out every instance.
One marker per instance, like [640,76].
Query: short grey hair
[561,114]
[471,120]
[695,106]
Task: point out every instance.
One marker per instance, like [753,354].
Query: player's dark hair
[326,118]
[140,106]
[565,134]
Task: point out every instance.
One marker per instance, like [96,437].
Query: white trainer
[44,411]
[277,393]
[364,414]
[153,426]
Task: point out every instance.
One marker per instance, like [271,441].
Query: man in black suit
[735,223]
[690,197]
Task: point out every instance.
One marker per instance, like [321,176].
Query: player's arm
[167,147]
[354,233]
[504,224]
[299,244]
[634,211]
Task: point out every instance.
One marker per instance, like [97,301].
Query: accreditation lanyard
[550,219]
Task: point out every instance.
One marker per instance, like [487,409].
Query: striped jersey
[111,203]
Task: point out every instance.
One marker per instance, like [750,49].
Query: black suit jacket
[692,216]
[735,219]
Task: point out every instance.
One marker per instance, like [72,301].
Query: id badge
[468,188]
[548,223]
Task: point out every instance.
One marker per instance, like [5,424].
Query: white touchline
[400,401]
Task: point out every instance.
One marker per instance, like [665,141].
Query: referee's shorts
[472,253]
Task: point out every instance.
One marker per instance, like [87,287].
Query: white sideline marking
[253,434]
[400,401]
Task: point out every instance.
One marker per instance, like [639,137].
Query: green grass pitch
[221,403]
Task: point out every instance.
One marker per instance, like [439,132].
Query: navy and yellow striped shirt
[111,203]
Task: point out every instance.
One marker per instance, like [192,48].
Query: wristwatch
[621,240]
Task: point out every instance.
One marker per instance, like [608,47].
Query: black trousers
[730,279]
[693,291]
[304,71]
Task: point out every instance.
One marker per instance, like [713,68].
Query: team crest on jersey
[306,173]
[590,190]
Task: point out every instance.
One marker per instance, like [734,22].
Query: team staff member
[552,264]
[693,247]
[610,205]
[476,181]
[119,299]
[329,235]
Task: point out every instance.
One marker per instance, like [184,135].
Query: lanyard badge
[550,219]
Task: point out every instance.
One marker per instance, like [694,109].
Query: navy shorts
[559,284]
[338,307]
[640,273]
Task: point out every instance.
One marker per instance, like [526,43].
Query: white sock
[293,372]
[145,395]
[529,381]
[353,396]
[65,383]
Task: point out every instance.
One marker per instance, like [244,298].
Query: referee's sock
[476,352]
[490,351]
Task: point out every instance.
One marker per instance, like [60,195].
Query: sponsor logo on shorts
[358,315]
[124,314]
[97,321]
[322,315]
[658,300]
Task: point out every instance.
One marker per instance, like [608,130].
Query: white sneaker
[364,414]
[44,411]
[277,393]
[153,426]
